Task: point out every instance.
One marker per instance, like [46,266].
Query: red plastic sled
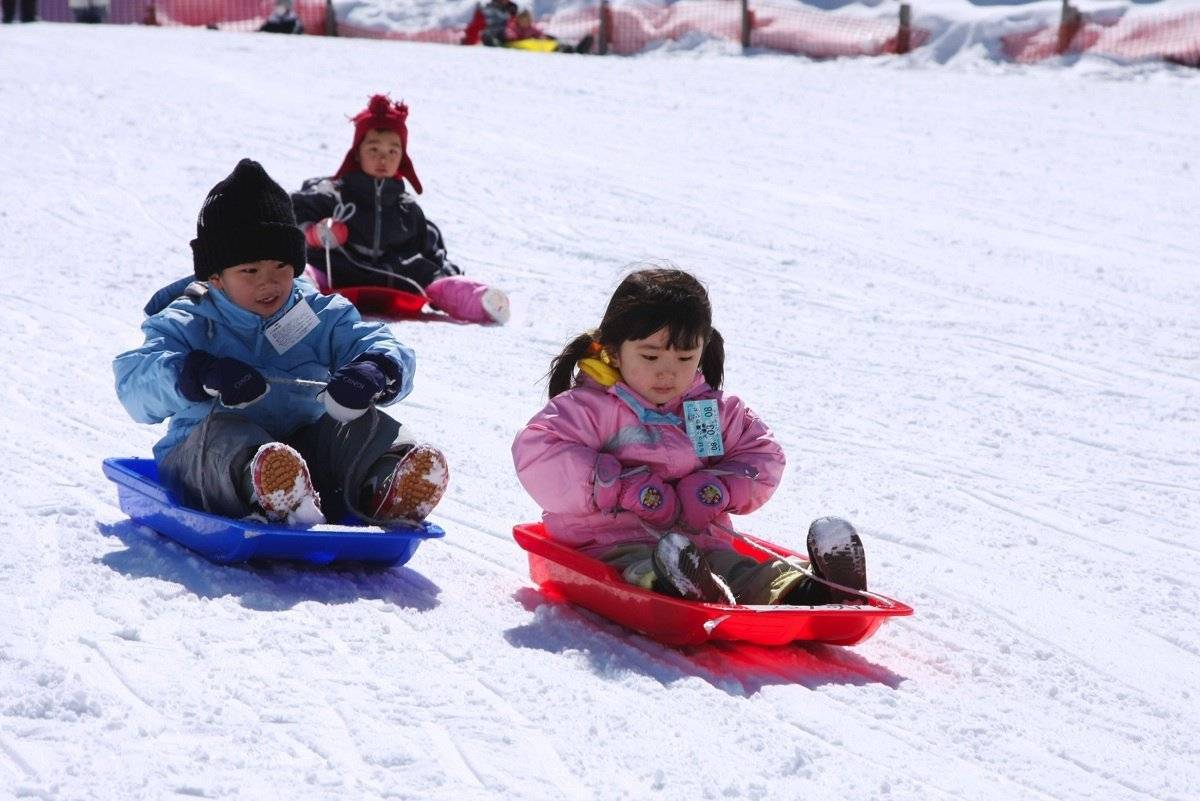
[564,574]
[380,301]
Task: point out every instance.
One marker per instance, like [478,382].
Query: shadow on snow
[264,586]
[739,669]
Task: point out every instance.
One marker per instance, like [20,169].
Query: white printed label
[703,420]
[292,327]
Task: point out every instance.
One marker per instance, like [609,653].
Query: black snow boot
[680,565]
[836,554]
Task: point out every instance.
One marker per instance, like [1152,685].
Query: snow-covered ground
[966,297]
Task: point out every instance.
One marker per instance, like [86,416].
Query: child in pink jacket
[639,459]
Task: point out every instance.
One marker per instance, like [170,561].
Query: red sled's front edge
[565,574]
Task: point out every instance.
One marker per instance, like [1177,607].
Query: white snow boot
[282,486]
[406,487]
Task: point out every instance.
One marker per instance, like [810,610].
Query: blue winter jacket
[148,377]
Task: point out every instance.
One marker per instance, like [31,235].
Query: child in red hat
[363,228]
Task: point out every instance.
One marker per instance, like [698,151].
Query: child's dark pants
[207,469]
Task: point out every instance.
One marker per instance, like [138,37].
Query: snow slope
[965,297]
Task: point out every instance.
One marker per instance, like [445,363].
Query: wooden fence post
[746,25]
[1068,25]
[605,36]
[904,34]
[330,19]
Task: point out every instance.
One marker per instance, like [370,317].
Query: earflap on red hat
[381,114]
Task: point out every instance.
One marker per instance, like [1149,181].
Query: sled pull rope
[341,213]
[803,567]
[343,428]
[199,459]
[417,289]
[200,474]
[304,382]
[299,382]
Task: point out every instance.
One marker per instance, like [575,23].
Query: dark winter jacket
[389,238]
[282,21]
[496,15]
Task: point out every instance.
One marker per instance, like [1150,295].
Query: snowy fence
[1121,33]
[623,27]
[227,15]
[631,26]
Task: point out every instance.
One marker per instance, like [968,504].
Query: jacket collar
[243,319]
[359,182]
[647,412]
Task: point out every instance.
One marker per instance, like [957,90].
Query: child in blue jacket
[238,365]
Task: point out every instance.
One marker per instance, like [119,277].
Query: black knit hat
[247,217]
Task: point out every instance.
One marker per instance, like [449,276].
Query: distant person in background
[283,19]
[90,11]
[522,33]
[28,10]
[363,228]
[496,15]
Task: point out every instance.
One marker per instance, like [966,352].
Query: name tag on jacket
[292,327]
[703,421]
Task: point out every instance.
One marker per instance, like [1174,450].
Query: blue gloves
[205,376]
[355,386]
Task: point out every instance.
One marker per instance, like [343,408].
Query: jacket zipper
[378,219]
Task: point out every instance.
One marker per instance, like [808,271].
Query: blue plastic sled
[224,540]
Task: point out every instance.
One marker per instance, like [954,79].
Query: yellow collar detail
[601,372]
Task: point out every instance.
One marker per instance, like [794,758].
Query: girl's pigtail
[562,369]
[712,360]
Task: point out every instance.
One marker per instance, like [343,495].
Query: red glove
[327,233]
[702,497]
[650,498]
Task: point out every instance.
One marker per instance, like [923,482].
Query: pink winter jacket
[556,455]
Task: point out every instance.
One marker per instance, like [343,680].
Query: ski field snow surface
[966,297]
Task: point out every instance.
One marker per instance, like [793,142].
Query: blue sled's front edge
[225,540]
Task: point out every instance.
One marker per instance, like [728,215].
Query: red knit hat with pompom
[381,114]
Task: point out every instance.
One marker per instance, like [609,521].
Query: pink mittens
[640,492]
[650,498]
[702,497]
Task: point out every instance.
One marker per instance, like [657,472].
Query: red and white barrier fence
[626,27]
[1130,35]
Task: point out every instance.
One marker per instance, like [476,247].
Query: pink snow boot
[467,300]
